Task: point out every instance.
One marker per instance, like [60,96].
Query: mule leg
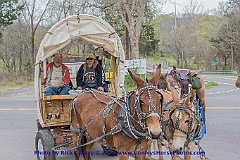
[201,96]
[189,149]
[203,105]
[175,157]
[123,157]
[149,146]
[200,93]
[122,150]
[76,150]
[141,150]
[160,149]
[87,152]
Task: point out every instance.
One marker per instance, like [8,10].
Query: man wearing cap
[91,75]
[58,77]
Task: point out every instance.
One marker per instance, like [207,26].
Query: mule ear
[190,98]
[156,76]
[193,95]
[137,81]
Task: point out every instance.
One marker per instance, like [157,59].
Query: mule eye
[186,121]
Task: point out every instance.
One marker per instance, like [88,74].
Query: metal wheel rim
[40,149]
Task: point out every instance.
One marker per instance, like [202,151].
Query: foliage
[196,40]
[10,10]
[128,82]
[148,43]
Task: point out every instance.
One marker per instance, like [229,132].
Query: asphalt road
[18,126]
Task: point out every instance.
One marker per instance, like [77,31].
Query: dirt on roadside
[4,91]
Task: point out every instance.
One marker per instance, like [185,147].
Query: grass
[158,58]
[221,74]
[15,84]
[210,84]
[129,85]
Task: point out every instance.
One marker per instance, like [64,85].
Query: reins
[124,119]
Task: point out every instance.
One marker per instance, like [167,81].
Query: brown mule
[176,80]
[97,117]
[178,122]
[237,83]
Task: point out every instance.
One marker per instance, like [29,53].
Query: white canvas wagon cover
[89,28]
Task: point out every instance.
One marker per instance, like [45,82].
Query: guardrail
[218,72]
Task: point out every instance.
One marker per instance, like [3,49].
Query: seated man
[91,75]
[58,77]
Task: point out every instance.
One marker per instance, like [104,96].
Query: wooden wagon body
[53,111]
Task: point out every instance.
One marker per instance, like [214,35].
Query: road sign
[214,63]
[142,65]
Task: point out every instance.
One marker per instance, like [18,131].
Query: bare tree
[35,16]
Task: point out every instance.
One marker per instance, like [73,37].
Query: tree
[34,23]
[132,13]
[9,11]
[148,43]
[227,40]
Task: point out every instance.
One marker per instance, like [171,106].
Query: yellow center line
[6,109]
[18,109]
[26,109]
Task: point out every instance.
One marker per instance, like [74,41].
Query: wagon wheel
[39,127]
[109,151]
[44,143]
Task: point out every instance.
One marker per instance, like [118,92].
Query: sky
[169,7]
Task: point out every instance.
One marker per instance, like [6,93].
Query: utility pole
[175,14]
[230,35]
[232,50]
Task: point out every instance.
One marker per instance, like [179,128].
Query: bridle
[176,77]
[142,116]
[192,129]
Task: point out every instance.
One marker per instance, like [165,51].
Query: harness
[196,114]
[152,108]
[124,119]
[188,134]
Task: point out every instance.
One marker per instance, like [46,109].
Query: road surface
[18,126]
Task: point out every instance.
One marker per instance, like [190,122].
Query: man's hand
[100,89]
[63,84]
[79,88]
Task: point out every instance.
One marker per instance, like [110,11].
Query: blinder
[191,132]
[152,108]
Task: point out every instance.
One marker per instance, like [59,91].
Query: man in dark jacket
[91,75]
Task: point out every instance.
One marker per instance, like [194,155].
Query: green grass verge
[15,84]
[129,85]
[210,84]
[157,59]
[221,74]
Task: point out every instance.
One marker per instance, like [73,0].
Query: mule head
[238,82]
[148,103]
[184,123]
[162,84]
[190,98]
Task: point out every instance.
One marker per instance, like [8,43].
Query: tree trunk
[20,61]
[127,49]
[131,13]
[134,41]
[32,49]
